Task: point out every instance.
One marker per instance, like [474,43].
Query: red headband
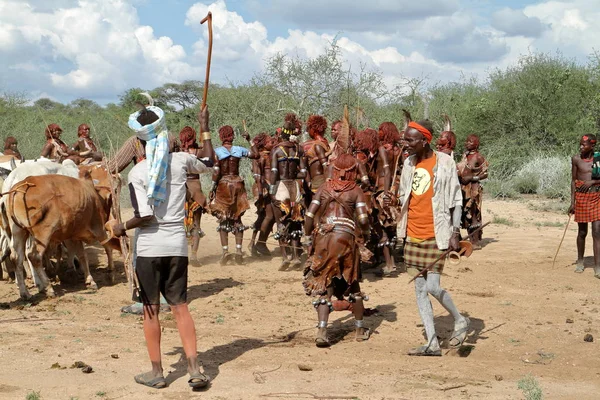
[424,131]
[587,138]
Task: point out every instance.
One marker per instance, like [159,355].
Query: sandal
[365,335]
[459,336]
[156,383]
[198,380]
[424,351]
[321,339]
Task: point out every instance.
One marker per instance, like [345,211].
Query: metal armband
[205,136]
[272,190]
[309,214]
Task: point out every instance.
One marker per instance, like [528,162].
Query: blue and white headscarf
[157,153]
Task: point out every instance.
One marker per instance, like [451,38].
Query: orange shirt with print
[420,207]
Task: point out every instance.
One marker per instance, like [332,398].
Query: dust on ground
[256,328]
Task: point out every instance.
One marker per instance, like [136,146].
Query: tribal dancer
[316,151]
[85,144]
[265,219]
[585,200]
[430,222]
[333,264]
[196,203]
[379,197]
[228,193]
[447,140]
[472,169]
[287,166]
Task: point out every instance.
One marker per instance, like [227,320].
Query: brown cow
[53,209]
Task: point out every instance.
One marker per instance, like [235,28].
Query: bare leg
[152,334]
[239,239]
[187,333]
[225,245]
[265,229]
[596,236]
[358,310]
[581,235]
[460,323]
[196,236]
[426,312]
[323,315]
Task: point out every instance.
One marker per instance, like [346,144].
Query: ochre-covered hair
[9,141]
[475,139]
[316,125]
[260,140]
[344,168]
[187,137]
[367,140]
[447,139]
[290,122]
[80,129]
[226,133]
[388,133]
[51,128]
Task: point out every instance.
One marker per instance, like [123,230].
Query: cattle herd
[49,209]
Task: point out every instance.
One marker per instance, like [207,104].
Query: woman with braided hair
[196,202]
[287,166]
[332,267]
[379,162]
[228,193]
[316,151]
[265,219]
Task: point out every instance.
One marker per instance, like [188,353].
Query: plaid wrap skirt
[418,255]
[587,204]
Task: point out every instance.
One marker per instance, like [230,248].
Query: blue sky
[97,49]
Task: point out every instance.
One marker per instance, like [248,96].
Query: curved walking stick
[210,41]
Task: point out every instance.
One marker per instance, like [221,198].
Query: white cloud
[516,23]
[99,48]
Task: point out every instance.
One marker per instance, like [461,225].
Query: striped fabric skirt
[420,254]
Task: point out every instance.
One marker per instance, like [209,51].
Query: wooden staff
[123,240]
[210,41]
[561,240]
[445,253]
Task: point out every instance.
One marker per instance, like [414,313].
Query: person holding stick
[430,216]
[157,187]
[585,200]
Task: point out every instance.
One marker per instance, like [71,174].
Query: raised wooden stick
[208,59]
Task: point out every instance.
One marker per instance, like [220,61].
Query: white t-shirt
[164,235]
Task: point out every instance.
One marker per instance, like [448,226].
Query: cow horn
[407,119]
[147,96]
[447,123]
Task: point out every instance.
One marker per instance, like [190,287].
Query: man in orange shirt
[430,221]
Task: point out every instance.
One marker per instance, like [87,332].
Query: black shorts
[166,275]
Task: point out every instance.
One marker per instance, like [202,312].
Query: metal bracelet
[322,324]
[317,202]
[274,169]
[359,323]
[303,170]
[205,136]
[363,216]
[364,178]
[361,204]
[309,214]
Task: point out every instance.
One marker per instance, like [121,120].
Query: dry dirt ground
[256,326]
